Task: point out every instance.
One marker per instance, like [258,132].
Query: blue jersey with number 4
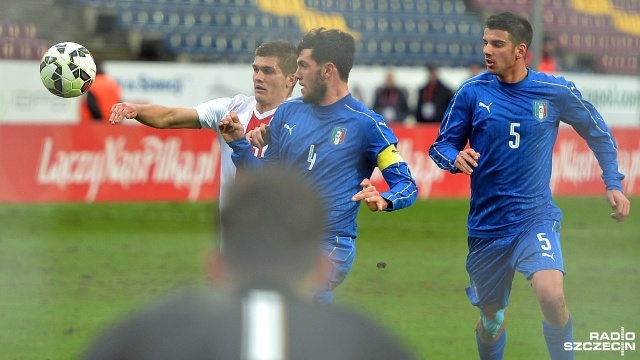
[335,147]
[514,128]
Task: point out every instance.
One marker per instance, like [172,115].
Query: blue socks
[492,351]
[556,337]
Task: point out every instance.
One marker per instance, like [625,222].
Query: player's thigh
[548,285]
[341,252]
[490,271]
[539,248]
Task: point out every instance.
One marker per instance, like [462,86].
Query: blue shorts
[341,251]
[492,262]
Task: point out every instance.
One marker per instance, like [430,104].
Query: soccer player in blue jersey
[335,142]
[510,115]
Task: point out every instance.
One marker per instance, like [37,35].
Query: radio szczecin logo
[605,341]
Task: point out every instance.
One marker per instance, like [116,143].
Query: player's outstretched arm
[156,116]
[619,203]
[371,196]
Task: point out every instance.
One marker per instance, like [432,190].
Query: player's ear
[291,81]
[314,278]
[217,269]
[328,69]
[521,51]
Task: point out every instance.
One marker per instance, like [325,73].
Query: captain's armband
[388,156]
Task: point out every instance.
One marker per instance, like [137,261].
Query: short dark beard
[318,94]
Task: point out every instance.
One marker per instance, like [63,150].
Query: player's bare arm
[259,137]
[619,203]
[371,196]
[230,128]
[466,160]
[156,116]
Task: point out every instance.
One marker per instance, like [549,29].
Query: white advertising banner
[25,100]
[180,84]
[616,97]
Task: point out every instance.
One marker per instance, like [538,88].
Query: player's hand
[619,203]
[230,128]
[466,160]
[121,111]
[260,136]
[371,196]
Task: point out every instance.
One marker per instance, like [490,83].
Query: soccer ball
[67,69]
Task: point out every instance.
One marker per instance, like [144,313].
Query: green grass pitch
[68,271]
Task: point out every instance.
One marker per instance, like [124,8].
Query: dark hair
[271,224]
[333,46]
[519,28]
[284,51]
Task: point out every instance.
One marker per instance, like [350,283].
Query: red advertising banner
[100,162]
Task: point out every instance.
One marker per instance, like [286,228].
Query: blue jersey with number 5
[514,128]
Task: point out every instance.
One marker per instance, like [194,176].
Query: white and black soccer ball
[67,69]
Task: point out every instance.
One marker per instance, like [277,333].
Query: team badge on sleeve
[540,109]
[337,137]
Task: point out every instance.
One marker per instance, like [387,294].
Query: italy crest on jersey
[338,135]
[540,109]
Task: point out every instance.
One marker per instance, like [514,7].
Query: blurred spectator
[475,69]
[549,56]
[96,104]
[548,60]
[390,101]
[271,269]
[433,99]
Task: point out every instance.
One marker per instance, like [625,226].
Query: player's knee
[554,310]
[491,328]
[553,298]
[553,302]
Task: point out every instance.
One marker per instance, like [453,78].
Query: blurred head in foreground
[272,222]
[272,225]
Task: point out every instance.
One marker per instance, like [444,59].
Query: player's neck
[335,93]
[264,107]
[516,74]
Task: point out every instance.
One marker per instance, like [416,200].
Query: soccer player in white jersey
[510,116]
[335,142]
[273,82]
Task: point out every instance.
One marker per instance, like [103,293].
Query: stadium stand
[18,40]
[604,35]
[630,6]
[390,32]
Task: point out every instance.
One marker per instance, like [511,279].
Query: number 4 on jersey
[312,157]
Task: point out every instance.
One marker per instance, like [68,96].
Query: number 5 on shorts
[546,246]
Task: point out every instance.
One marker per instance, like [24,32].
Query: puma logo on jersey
[485,106]
[290,128]
[551,256]
[382,123]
